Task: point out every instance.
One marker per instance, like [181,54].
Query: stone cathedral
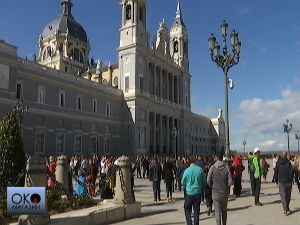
[140,105]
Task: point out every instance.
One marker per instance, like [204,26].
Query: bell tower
[134,40]
[179,41]
[133,29]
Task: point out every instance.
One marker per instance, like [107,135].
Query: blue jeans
[156,190]
[169,189]
[189,202]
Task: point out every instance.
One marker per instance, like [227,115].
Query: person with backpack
[257,175]
[219,179]
[251,170]
[238,169]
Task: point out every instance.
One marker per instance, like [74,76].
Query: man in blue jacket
[194,181]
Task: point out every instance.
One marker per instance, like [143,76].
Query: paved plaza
[241,211]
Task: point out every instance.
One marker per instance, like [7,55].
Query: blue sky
[267,80]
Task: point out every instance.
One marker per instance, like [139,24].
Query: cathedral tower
[179,41]
[63,44]
[134,40]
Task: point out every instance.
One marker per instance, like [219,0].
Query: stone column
[154,133]
[124,191]
[173,86]
[161,83]
[62,174]
[167,135]
[160,135]
[154,80]
[35,177]
[147,132]
[168,85]
[177,89]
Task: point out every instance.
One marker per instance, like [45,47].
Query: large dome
[65,23]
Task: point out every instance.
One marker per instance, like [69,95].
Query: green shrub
[12,157]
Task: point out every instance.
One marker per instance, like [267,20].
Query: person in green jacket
[257,175]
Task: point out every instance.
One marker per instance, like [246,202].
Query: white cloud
[262,120]
[268,143]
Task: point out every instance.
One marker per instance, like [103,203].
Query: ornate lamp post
[287,129]
[225,60]
[244,143]
[174,135]
[20,109]
[297,137]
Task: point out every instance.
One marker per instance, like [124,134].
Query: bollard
[62,173]
[36,177]
[123,189]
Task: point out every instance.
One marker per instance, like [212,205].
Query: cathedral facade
[140,105]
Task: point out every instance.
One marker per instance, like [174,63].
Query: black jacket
[155,173]
[168,172]
[283,171]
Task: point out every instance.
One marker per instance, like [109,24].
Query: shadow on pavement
[273,202]
[154,204]
[239,208]
[156,212]
[294,211]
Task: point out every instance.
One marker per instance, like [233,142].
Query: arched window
[128,12]
[175,47]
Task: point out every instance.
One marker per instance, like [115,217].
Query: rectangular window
[78,144]
[186,102]
[79,103]
[141,83]
[107,109]
[60,143]
[40,142]
[41,95]
[94,105]
[107,146]
[126,82]
[19,90]
[94,145]
[61,99]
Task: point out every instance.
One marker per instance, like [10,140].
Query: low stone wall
[103,214]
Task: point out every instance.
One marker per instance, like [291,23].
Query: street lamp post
[226,60]
[297,137]
[20,109]
[287,127]
[174,135]
[244,143]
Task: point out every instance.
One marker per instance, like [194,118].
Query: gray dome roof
[65,23]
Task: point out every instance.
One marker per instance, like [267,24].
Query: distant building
[141,105]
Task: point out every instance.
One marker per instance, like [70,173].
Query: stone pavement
[241,211]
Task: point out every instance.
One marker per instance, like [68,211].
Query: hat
[256,149]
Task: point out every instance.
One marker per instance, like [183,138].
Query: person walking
[251,171]
[207,189]
[265,168]
[193,180]
[168,174]
[284,179]
[257,175]
[155,175]
[274,162]
[219,179]
[238,169]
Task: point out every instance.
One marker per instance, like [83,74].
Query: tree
[12,157]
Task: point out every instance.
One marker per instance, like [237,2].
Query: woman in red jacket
[238,169]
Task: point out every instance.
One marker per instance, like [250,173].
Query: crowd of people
[204,180]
